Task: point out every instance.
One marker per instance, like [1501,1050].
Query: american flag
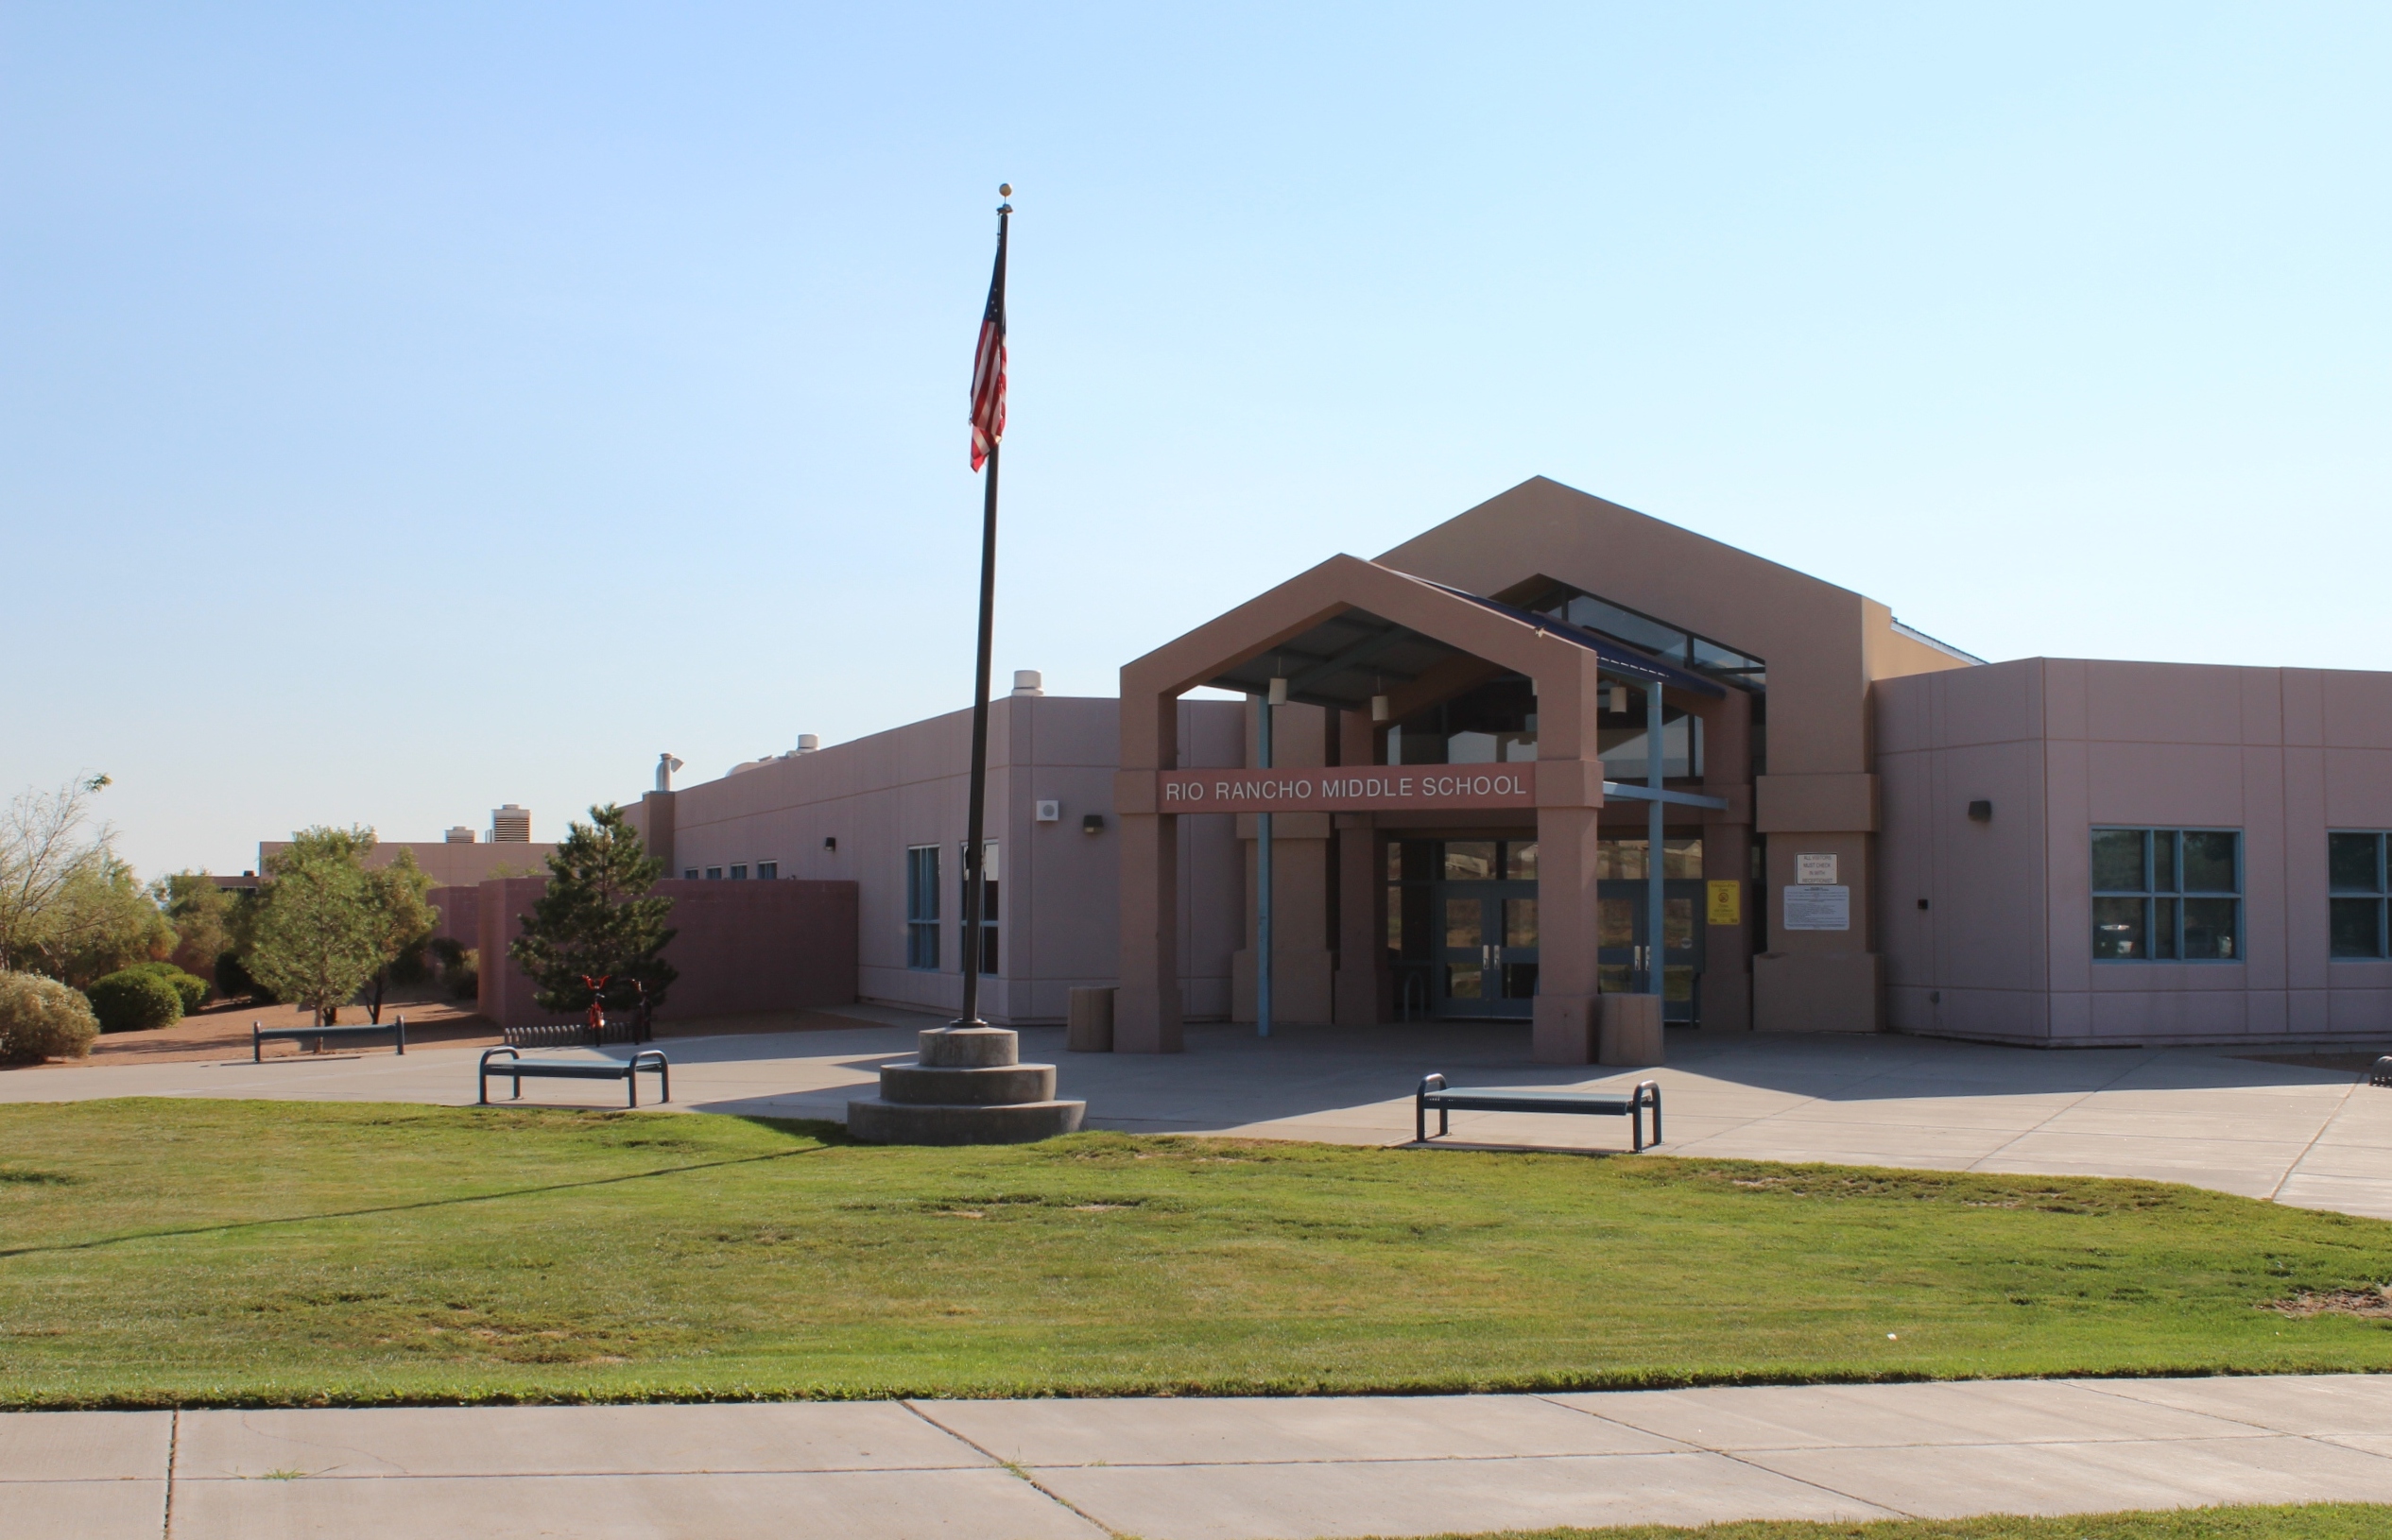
[988,367]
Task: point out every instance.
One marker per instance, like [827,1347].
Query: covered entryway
[1428,809]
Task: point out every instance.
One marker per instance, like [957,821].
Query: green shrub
[460,966]
[41,1018]
[132,1000]
[191,988]
[465,979]
[233,981]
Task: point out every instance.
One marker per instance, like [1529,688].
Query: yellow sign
[1726,902]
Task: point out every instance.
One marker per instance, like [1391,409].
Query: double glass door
[1625,948]
[1463,928]
[1486,949]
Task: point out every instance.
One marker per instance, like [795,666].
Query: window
[2167,894]
[922,906]
[2355,881]
[987,951]
[713,874]
[1656,637]
[767,871]
[691,873]
[739,874]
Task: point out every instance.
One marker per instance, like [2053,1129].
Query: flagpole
[975,843]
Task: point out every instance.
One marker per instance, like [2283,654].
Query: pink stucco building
[1488,731]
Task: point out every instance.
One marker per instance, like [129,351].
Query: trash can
[1089,1024]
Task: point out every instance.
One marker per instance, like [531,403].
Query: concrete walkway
[1199,1469]
[2314,1138]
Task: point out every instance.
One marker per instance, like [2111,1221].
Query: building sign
[1818,908]
[1814,871]
[1370,788]
[1726,902]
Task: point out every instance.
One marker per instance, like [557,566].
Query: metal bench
[627,1070]
[1433,1092]
[260,1033]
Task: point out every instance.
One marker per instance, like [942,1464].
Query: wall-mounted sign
[1818,908]
[1370,788]
[1816,871]
[1727,904]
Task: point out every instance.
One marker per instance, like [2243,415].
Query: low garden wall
[740,946]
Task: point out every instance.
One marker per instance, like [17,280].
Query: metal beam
[1628,791]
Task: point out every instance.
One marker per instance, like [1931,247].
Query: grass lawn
[157,1251]
[2322,1521]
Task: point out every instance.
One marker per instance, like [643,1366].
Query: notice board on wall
[1725,905]
[1818,908]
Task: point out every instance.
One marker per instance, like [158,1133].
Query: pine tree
[597,918]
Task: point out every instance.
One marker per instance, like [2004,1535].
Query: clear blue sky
[413,409]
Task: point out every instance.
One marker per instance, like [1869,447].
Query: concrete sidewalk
[1199,1469]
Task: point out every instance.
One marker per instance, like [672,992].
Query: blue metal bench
[261,1033]
[627,1070]
[1433,1092]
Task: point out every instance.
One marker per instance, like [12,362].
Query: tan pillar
[1146,1016]
[1569,798]
[1363,988]
[1727,983]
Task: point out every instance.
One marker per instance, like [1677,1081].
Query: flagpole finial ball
[1005,189]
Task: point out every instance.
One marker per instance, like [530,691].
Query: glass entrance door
[1486,949]
[1622,944]
[1483,911]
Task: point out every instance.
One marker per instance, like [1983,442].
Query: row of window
[2174,894]
[766,871]
[922,905]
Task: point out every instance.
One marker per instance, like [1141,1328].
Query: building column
[653,817]
[1817,980]
[1726,982]
[1146,1012]
[1361,992]
[1569,802]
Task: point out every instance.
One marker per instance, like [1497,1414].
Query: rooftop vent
[1028,681]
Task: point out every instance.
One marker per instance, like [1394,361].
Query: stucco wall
[1057,885]
[2059,746]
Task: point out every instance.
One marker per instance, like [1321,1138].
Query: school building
[1560,762]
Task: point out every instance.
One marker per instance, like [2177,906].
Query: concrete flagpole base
[966,1086]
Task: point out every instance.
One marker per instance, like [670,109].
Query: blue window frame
[2358,894]
[922,906]
[987,949]
[2167,894]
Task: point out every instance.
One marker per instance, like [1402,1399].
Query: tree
[204,917]
[315,939]
[596,919]
[400,917]
[99,920]
[44,852]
